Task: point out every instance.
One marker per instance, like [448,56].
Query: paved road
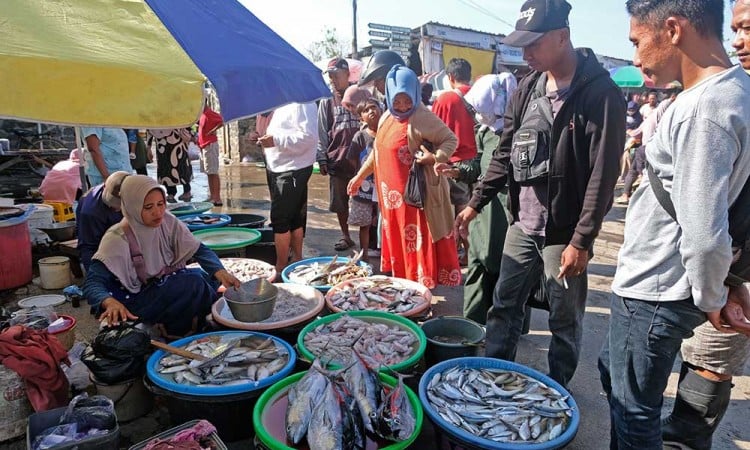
[244,190]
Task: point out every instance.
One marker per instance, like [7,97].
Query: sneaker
[171,199]
[185,196]
[622,200]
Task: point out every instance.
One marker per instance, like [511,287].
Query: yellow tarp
[94,62]
[482,61]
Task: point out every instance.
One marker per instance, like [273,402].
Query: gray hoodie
[701,153]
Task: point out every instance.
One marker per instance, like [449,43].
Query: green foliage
[329,47]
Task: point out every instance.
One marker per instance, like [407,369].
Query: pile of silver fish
[245,269]
[378,343]
[228,363]
[376,293]
[289,305]
[500,405]
[331,273]
[339,409]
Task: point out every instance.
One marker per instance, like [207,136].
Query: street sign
[383,34]
[378,26]
[377,43]
[400,44]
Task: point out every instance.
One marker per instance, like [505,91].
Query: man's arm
[703,161]
[93,144]
[607,139]
[325,121]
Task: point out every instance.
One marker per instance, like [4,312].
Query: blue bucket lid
[492,363]
[203,391]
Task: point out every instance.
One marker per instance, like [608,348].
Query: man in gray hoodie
[670,273]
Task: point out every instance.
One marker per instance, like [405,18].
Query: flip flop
[343,244]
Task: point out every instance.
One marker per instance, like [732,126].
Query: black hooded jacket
[588,136]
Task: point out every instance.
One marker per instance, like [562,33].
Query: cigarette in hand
[564,279]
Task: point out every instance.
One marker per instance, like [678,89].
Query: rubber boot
[698,409]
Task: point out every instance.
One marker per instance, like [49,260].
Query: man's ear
[675,28]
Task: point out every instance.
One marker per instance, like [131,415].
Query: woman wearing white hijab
[139,270]
[488,96]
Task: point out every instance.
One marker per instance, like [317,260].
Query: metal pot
[253,301]
[60,231]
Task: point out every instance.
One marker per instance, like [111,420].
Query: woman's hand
[425,157]
[227,279]
[446,169]
[115,312]
[354,185]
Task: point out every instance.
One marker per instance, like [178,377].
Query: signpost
[395,38]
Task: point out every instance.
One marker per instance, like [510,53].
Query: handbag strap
[469,108]
[135,253]
[661,194]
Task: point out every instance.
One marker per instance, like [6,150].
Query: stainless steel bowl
[253,301]
[60,231]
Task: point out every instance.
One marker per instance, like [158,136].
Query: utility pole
[354,30]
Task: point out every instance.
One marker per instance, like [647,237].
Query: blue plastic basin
[223,221]
[464,437]
[171,385]
[322,260]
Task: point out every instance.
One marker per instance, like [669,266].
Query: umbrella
[144,63]
[630,77]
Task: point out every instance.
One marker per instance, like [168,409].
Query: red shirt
[450,107]
[209,122]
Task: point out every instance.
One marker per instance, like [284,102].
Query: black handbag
[415,192]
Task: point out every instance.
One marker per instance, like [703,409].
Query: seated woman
[139,270]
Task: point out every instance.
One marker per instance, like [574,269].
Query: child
[363,206]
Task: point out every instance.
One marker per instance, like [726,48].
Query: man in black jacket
[559,154]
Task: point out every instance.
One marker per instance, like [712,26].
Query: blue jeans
[635,363]
[525,263]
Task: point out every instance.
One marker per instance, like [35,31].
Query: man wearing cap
[559,154]
[336,128]
[97,210]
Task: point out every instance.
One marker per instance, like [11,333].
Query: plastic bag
[415,190]
[118,354]
[95,412]
[77,373]
[37,318]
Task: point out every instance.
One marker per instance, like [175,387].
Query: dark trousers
[637,166]
[525,261]
[635,363]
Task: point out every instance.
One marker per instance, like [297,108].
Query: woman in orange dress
[417,244]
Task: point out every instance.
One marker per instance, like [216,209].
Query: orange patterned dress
[407,247]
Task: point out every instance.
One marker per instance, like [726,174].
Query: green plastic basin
[280,388]
[369,316]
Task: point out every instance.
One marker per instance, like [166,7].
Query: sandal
[343,244]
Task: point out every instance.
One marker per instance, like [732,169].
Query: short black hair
[460,69]
[365,103]
[705,15]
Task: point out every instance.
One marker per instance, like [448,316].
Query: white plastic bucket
[54,272]
[42,217]
[130,397]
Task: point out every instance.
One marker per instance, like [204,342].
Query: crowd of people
[516,177]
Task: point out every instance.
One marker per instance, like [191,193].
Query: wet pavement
[244,190]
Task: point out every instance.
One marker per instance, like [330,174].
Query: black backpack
[739,228]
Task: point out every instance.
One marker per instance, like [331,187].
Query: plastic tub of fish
[251,361]
[245,269]
[295,305]
[325,272]
[380,293]
[205,221]
[269,417]
[383,339]
[524,409]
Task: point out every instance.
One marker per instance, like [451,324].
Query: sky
[598,24]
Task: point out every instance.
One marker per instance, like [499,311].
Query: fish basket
[269,416]
[468,440]
[322,260]
[418,310]
[205,391]
[372,317]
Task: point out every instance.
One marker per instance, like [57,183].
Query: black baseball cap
[538,17]
[337,64]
